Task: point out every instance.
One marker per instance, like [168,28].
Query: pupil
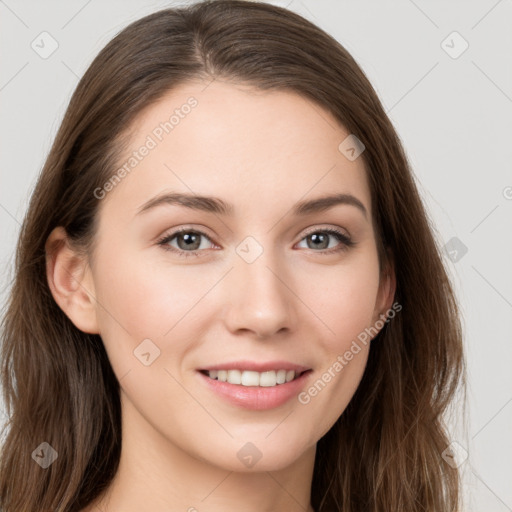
[189,239]
[317,237]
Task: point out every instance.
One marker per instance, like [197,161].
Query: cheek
[346,308]
[139,302]
[147,300]
[345,302]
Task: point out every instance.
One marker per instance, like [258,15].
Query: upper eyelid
[314,229]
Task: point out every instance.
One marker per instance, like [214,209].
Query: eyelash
[346,242]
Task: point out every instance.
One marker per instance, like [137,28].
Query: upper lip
[257,366]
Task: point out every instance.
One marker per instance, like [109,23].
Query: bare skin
[262,152]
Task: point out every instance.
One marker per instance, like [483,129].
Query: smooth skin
[299,301]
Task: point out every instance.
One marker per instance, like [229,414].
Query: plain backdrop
[443,70]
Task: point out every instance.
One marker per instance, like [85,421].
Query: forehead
[254,148]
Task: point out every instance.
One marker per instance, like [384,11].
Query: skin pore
[300,300]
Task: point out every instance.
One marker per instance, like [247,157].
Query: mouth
[256,390]
[249,378]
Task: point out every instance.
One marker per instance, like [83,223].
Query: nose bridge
[260,299]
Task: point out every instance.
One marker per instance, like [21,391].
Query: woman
[227,294]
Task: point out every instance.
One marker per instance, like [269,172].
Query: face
[243,281]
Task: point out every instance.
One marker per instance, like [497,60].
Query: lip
[257,367]
[256,397]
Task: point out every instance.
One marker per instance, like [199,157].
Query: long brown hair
[384,452]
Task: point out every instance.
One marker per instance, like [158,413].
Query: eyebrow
[216,205]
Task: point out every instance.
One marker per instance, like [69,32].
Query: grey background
[452,114]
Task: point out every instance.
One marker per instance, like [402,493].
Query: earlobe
[70,281]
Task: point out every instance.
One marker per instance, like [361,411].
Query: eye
[320,239]
[188,240]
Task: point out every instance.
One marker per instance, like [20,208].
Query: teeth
[234,377]
[281,376]
[249,378]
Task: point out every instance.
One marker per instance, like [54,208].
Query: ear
[387,289]
[70,281]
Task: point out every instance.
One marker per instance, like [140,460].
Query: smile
[254,390]
[252,378]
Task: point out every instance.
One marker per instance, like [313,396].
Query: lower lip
[257,397]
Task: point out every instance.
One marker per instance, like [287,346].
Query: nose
[260,298]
